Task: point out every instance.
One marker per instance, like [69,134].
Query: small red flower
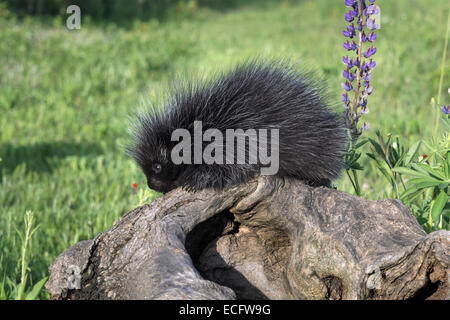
[135,185]
[424,156]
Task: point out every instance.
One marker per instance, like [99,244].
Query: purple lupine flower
[363,67]
[346,73]
[370,52]
[359,68]
[372,25]
[366,126]
[347,86]
[446,109]
[349,32]
[350,3]
[365,109]
[344,97]
[349,16]
[364,37]
[350,46]
[351,76]
[372,36]
[346,60]
[371,10]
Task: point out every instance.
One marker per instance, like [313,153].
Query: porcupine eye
[157,168]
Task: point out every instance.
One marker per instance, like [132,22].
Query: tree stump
[271,238]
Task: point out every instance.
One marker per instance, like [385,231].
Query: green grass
[65,97]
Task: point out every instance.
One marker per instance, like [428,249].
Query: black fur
[253,95]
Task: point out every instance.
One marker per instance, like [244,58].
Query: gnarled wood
[269,239]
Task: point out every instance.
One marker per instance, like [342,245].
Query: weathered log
[269,239]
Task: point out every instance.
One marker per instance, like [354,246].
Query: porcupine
[253,95]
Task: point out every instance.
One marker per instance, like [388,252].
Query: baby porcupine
[254,95]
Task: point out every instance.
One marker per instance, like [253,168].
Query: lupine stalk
[358,71]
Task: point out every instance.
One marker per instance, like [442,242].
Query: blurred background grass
[65,95]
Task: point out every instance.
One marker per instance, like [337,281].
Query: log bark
[269,239]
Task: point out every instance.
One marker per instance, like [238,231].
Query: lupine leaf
[412,152]
[433,172]
[426,184]
[425,180]
[408,171]
[361,143]
[377,147]
[385,169]
[410,193]
[438,205]
[400,159]
[427,170]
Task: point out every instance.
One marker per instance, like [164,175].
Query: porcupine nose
[157,185]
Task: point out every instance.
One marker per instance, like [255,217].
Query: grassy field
[65,96]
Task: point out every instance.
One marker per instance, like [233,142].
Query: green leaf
[426,170]
[356,156]
[412,152]
[431,171]
[411,193]
[370,155]
[399,160]
[377,147]
[36,289]
[438,205]
[425,182]
[361,143]
[408,171]
[385,170]
[357,166]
